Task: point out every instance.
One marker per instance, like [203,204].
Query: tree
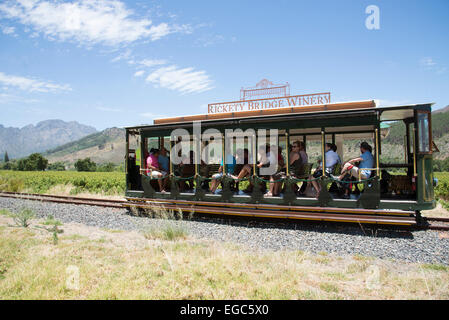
[10,165]
[34,162]
[106,167]
[56,166]
[6,157]
[85,165]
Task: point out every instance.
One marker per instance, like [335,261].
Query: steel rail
[65,199]
[436,223]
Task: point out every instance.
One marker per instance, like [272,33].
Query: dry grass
[438,212]
[127,266]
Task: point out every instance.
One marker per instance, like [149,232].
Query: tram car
[228,179]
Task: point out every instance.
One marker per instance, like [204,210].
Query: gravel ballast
[386,243]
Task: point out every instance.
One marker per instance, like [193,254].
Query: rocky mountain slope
[20,142]
[102,147]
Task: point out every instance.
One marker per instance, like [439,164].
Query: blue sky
[120,63]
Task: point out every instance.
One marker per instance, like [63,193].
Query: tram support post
[377,153]
[287,140]
[142,153]
[254,153]
[415,132]
[323,155]
[171,158]
[223,155]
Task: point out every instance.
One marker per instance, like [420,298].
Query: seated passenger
[263,161]
[187,170]
[163,160]
[230,164]
[366,160]
[242,159]
[304,161]
[298,158]
[275,184]
[332,158]
[154,170]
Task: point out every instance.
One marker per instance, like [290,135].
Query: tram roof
[353,109]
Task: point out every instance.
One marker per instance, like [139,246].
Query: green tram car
[395,193]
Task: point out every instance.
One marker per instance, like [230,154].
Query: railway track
[256,211]
[437,223]
[65,199]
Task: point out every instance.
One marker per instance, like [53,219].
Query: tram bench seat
[212,169]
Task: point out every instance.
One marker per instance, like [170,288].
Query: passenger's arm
[352,161]
[294,158]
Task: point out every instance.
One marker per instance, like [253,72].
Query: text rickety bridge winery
[271,103]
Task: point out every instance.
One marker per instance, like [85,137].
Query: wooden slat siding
[265,112]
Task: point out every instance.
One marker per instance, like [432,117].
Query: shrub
[57,166]
[23,217]
[85,165]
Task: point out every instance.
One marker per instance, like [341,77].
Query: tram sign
[265,88]
[270,103]
[274,96]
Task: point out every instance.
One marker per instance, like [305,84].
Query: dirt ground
[438,212]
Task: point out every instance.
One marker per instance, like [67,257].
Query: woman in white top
[332,158]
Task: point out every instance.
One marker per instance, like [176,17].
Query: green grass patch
[167,231]
[436,267]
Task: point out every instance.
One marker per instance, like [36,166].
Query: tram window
[152,143]
[166,143]
[423,132]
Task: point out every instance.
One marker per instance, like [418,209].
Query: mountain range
[20,142]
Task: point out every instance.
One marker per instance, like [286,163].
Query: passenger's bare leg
[161,187]
[344,170]
[277,188]
[271,191]
[316,186]
[246,171]
[213,185]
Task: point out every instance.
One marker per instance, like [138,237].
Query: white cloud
[210,40]
[151,62]
[122,56]
[139,73]
[431,65]
[86,21]
[8,30]
[183,80]
[427,62]
[31,85]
